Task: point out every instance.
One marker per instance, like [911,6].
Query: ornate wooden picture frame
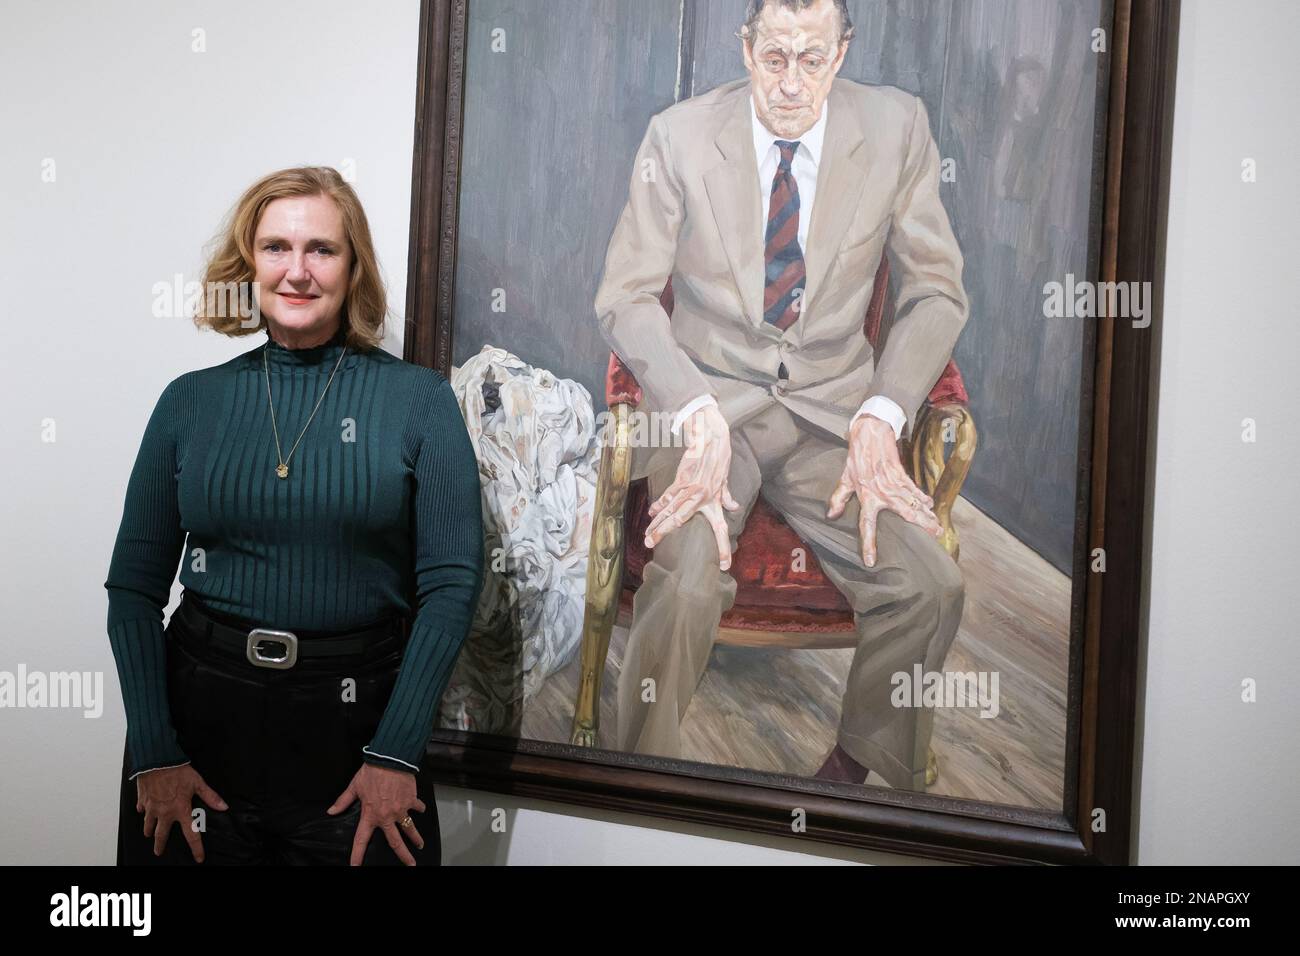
[1097,822]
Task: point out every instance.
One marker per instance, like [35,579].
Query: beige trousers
[906,608]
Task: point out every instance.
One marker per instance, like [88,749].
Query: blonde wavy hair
[231,265]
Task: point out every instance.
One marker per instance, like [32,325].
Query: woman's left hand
[386,798]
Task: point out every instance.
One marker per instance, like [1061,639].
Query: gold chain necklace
[282,469]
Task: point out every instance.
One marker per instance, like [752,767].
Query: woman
[329,490]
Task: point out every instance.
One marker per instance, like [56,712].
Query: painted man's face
[792,57]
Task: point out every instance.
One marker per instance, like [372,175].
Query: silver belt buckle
[258,635]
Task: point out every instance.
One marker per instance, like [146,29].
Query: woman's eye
[272,247]
[325,252]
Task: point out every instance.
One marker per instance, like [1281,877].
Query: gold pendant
[282,470]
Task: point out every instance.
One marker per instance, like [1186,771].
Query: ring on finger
[407,821]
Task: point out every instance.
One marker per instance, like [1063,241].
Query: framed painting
[805,346]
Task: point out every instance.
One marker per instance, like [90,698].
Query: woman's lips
[298,299]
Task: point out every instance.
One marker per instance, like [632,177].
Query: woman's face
[302,263]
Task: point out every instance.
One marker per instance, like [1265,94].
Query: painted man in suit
[769,202]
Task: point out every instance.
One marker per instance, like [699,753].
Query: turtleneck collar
[325,354]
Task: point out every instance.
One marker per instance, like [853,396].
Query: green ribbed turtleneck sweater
[380,515]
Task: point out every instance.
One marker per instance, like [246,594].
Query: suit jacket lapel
[732,186]
[841,176]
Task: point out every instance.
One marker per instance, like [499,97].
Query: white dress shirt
[804,166]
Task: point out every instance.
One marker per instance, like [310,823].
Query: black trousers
[279,746]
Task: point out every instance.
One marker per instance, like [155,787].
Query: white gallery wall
[151,141]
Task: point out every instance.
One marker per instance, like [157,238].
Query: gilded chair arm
[936,426]
[604,570]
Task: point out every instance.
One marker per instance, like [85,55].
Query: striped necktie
[784,266]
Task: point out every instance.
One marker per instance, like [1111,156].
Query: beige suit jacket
[694,212]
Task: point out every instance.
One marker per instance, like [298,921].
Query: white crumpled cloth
[538,454]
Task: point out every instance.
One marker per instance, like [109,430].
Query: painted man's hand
[874,473]
[701,482]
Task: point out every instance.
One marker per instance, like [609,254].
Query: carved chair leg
[604,572]
[942,481]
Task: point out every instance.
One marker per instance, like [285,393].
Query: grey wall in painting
[1018,118]
[551,126]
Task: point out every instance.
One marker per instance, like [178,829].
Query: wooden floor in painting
[777,710]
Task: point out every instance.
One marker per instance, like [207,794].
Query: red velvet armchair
[774,605]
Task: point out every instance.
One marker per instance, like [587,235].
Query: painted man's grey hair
[755,10]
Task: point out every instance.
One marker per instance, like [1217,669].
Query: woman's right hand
[165,796]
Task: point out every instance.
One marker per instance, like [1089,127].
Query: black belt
[281,649]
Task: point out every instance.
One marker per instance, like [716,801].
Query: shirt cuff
[885,409]
[694,405]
